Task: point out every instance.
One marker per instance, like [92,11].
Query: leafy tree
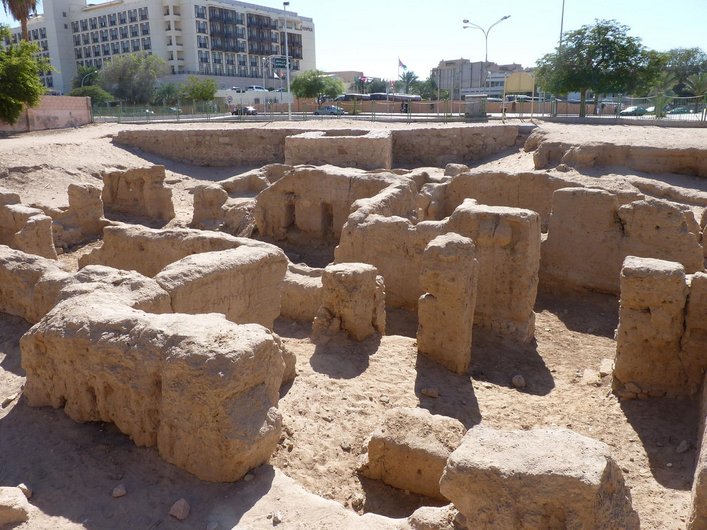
[96,93]
[19,77]
[683,63]
[199,89]
[132,77]
[167,94]
[317,85]
[21,10]
[407,79]
[377,85]
[85,76]
[427,89]
[600,57]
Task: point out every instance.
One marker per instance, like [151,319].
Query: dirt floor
[341,389]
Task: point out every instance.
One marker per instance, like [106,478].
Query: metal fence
[664,108]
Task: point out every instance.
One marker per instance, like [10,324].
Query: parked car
[633,111]
[244,110]
[256,88]
[332,110]
[681,110]
[175,109]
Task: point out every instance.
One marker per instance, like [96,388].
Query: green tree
[96,93]
[199,89]
[407,79]
[132,77]
[317,85]
[19,77]
[377,85]
[20,10]
[683,63]
[85,76]
[426,89]
[601,57]
[697,84]
[167,94]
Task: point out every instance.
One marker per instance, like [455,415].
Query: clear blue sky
[370,35]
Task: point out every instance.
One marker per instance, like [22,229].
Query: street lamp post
[486,31]
[87,75]
[287,65]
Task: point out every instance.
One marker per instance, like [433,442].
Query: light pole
[287,65]
[486,39]
[87,75]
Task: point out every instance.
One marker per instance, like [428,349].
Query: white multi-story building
[232,42]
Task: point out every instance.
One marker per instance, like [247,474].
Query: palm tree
[407,79]
[697,84]
[21,10]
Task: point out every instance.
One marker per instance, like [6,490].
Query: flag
[275,76]
[401,65]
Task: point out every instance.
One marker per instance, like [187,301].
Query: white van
[256,88]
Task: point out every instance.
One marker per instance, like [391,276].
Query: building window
[143,13]
[84,25]
[78,53]
[134,30]
[87,51]
[202,41]
[201,26]
[123,32]
[200,12]
[77,40]
[104,35]
[112,19]
[145,28]
[125,46]
[93,23]
[42,33]
[132,15]
[85,39]
[96,51]
[122,18]
[94,37]
[102,21]
[113,33]
[75,27]
[135,45]
[114,48]
[105,49]
[146,44]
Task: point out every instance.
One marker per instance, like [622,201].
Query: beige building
[233,42]
[461,77]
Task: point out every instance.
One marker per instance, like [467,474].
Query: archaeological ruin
[461,326]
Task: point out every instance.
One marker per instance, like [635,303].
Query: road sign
[279,62]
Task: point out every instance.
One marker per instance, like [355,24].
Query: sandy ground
[342,388]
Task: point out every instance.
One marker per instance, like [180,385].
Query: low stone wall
[661,340]
[243,283]
[508,251]
[258,147]
[53,112]
[148,251]
[25,228]
[410,449]
[437,147]
[591,232]
[223,147]
[139,192]
[315,201]
[201,389]
[542,478]
[301,292]
[367,150]
[649,159]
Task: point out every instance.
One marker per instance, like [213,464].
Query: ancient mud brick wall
[212,147]
[437,147]
[697,519]
[201,389]
[359,149]
[243,283]
[316,201]
[446,311]
[686,161]
[353,300]
[661,341]
[139,192]
[301,292]
[25,228]
[148,251]
[542,478]
[591,232]
[508,249]
[410,449]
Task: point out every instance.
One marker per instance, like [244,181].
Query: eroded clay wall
[437,147]
[367,150]
[591,232]
[316,201]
